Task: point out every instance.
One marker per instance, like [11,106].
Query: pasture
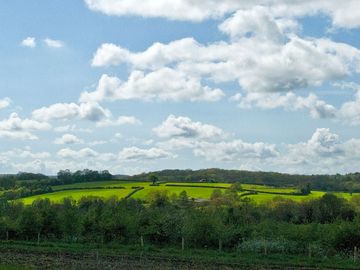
[121,189]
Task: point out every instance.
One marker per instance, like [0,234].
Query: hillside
[347,183]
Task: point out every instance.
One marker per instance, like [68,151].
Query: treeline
[347,182]
[28,184]
[326,226]
[68,177]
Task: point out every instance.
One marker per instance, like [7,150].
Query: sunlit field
[196,191]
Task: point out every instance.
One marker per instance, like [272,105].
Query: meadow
[197,191]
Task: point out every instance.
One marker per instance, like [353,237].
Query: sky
[133,86]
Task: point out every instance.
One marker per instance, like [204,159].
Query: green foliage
[322,225]
[236,187]
[153,178]
[305,189]
[67,177]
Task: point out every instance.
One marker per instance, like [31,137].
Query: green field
[194,190]
[78,194]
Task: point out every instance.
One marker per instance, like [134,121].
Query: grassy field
[20,255]
[194,190]
[91,185]
[77,194]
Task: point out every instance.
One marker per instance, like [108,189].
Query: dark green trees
[153,178]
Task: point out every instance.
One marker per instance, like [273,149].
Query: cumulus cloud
[235,150]
[264,54]
[139,154]
[91,111]
[289,101]
[324,152]
[260,22]
[52,43]
[29,42]
[287,65]
[164,84]
[175,10]
[184,127]
[68,139]
[4,103]
[156,56]
[15,127]
[350,111]
[343,14]
[322,144]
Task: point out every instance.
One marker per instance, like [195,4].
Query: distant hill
[348,182]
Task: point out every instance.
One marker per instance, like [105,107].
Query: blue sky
[133,86]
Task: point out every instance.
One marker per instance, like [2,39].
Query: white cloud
[109,54]
[91,111]
[68,153]
[14,122]
[175,10]
[184,127]
[350,111]
[289,101]
[29,42]
[342,13]
[235,150]
[4,103]
[139,154]
[86,154]
[264,43]
[324,152]
[68,139]
[257,21]
[284,65]
[322,143]
[164,84]
[25,154]
[52,43]
[121,120]
[16,128]
[156,56]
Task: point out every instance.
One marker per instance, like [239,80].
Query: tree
[69,219]
[306,189]
[183,199]
[236,187]
[153,178]
[158,198]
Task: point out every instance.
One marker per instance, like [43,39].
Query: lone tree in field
[153,178]
[306,189]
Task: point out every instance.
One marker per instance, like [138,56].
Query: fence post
[265,247]
[310,255]
[355,254]
[182,243]
[38,238]
[142,241]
